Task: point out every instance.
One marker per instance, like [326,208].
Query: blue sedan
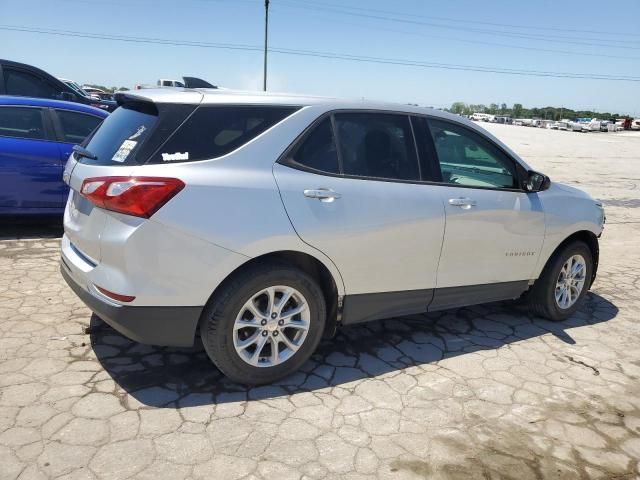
[36,138]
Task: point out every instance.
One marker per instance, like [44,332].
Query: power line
[131,39]
[453,39]
[604,43]
[493,44]
[461,20]
[320,54]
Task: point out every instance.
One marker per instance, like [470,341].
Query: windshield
[76,88]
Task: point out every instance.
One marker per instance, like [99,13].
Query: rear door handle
[462,202]
[322,194]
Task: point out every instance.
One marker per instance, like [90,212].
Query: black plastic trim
[454,297]
[166,326]
[366,307]
[375,306]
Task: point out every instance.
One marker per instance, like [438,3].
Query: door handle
[322,194]
[462,202]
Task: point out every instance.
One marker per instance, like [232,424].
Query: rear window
[133,132]
[214,131]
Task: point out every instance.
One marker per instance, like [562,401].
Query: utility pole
[266,37]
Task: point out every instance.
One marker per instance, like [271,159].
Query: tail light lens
[137,196]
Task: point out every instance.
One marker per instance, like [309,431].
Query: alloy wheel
[570,281]
[271,326]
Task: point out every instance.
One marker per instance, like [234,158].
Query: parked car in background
[264,220]
[635,124]
[482,117]
[577,127]
[504,119]
[98,92]
[165,82]
[187,82]
[36,138]
[78,88]
[28,81]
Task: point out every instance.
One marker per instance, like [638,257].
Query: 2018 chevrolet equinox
[264,220]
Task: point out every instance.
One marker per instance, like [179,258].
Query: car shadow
[181,377]
[28,227]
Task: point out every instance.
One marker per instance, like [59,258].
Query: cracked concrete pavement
[483,392]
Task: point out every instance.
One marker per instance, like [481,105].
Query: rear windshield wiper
[83,152]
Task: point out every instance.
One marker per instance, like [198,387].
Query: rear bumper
[166,326]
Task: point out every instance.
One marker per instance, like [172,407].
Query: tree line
[518,111]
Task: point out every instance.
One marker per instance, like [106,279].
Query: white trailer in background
[483,117]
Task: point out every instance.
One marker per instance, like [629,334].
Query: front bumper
[167,326]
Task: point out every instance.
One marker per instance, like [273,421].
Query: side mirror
[536,182]
[68,96]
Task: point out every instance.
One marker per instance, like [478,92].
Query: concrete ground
[483,392]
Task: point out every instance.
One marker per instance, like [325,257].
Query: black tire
[219,315]
[541,299]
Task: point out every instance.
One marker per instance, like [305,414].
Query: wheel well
[592,242]
[312,267]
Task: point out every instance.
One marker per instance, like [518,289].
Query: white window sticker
[124,151]
[141,129]
[175,157]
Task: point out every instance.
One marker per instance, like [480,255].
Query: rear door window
[22,122]
[318,150]
[214,131]
[76,126]
[26,84]
[377,145]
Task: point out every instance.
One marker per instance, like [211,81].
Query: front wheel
[564,282]
[264,323]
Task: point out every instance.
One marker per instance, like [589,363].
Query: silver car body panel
[380,236]
[381,242]
[567,210]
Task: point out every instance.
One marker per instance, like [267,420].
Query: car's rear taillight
[137,196]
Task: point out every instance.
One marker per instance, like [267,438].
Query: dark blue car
[36,138]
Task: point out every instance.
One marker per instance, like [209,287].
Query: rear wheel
[564,282]
[264,323]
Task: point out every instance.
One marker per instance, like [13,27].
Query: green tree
[517,110]
[458,108]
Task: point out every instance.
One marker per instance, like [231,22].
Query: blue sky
[604,39]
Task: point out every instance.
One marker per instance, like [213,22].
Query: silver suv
[262,221]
